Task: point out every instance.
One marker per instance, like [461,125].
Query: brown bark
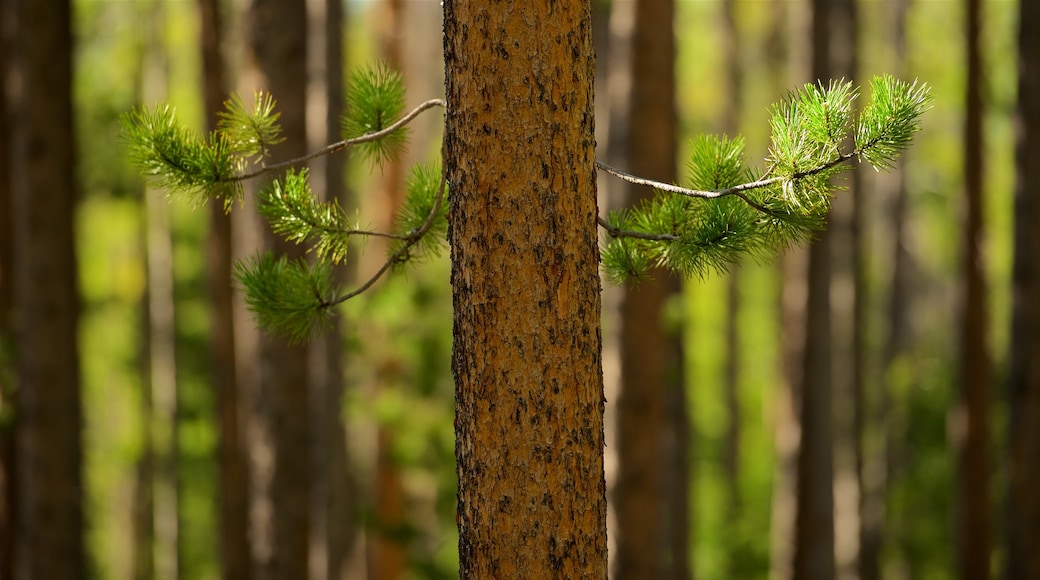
[731,126]
[975,366]
[8,518]
[814,518]
[876,432]
[650,369]
[280,446]
[529,392]
[233,482]
[49,420]
[337,504]
[1024,382]
[388,558]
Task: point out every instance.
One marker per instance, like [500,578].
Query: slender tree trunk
[519,153]
[731,126]
[1024,384]
[233,482]
[387,557]
[162,556]
[280,448]
[791,310]
[875,431]
[649,366]
[335,503]
[49,421]
[975,366]
[847,315]
[8,517]
[814,524]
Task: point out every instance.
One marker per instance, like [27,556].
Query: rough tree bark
[650,357]
[49,420]
[975,365]
[280,446]
[1024,382]
[519,153]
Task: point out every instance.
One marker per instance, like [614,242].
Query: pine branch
[716,221]
[345,143]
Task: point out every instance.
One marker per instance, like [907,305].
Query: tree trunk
[334,517]
[519,154]
[875,445]
[814,519]
[1024,382]
[650,367]
[387,550]
[49,420]
[975,365]
[233,482]
[280,446]
[8,517]
[731,126]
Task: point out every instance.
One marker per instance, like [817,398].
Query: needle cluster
[721,214]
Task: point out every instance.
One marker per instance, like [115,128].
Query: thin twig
[620,233]
[411,239]
[341,145]
[735,190]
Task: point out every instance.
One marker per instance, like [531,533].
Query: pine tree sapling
[722,214]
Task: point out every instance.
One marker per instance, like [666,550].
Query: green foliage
[250,133]
[376,97]
[726,214]
[289,297]
[296,214]
[177,159]
[423,203]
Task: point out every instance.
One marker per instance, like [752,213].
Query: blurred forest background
[882,352]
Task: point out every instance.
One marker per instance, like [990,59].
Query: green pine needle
[176,159]
[295,214]
[814,135]
[423,186]
[287,297]
[889,122]
[250,133]
[376,101]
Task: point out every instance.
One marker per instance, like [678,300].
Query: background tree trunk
[1024,383]
[814,520]
[233,480]
[280,446]
[975,366]
[8,483]
[49,420]
[519,154]
[647,515]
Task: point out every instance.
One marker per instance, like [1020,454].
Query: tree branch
[340,145]
[735,190]
[620,233]
[400,255]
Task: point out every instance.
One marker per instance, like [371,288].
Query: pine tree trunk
[8,485]
[233,482]
[280,446]
[731,126]
[1024,481]
[519,154]
[814,520]
[975,366]
[49,419]
[650,369]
